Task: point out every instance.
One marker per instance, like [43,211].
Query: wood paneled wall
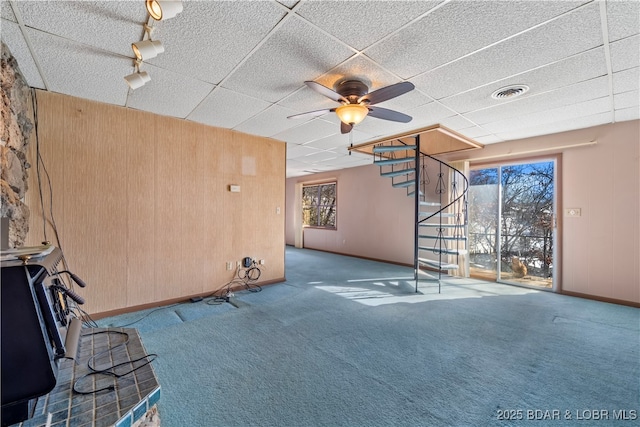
[142,202]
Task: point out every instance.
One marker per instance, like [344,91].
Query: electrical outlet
[229,265]
[261,262]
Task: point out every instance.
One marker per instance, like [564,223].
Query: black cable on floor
[111,370]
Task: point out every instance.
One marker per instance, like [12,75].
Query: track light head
[137,79]
[161,10]
[147,49]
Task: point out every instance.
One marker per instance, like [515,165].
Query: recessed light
[510,92]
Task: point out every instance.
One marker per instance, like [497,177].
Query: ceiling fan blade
[345,128]
[315,113]
[329,93]
[386,114]
[386,93]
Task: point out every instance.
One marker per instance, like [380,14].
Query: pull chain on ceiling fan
[357,102]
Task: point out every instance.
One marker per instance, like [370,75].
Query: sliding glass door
[512,223]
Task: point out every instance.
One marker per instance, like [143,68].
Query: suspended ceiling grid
[241,64]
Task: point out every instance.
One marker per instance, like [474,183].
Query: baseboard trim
[599,298]
[185,298]
[360,257]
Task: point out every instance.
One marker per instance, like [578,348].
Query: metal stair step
[412,193]
[406,183]
[432,236]
[387,162]
[435,224]
[398,172]
[423,203]
[438,265]
[443,250]
[390,148]
[444,214]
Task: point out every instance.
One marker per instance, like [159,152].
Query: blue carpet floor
[347,342]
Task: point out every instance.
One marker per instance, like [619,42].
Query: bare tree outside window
[511,216]
[319,205]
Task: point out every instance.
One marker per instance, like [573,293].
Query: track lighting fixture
[137,79]
[147,49]
[161,10]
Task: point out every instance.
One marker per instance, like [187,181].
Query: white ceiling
[242,64]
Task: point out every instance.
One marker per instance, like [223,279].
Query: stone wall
[15,130]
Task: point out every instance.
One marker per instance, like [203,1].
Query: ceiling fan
[357,102]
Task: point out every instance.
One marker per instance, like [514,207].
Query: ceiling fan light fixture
[147,49]
[161,10]
[352,114]
[137,79]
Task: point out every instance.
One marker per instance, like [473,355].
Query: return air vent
[510,92]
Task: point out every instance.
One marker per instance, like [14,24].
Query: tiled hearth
[132,395]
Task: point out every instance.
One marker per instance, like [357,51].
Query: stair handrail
[451,203]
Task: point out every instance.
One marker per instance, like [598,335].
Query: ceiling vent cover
[510,92]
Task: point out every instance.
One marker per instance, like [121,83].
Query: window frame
[318,205]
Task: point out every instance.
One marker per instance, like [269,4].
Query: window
[319,205]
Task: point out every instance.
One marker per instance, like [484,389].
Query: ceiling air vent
[510,92]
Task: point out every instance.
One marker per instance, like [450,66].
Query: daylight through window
[319,205]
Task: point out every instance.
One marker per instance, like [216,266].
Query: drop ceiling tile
[297,151]
[203,41]
[625,53]
[626,99]
[623,19]
[489,139]
[108,25]
[429,114]
[338,18]
[584,66]
[556,127]
[227,109]
[543,118]
[473,132]
[331,142]
[6,11]
[307,132]
[459,28]
[568,35]
[12,37]
[318,158]
[168,93]
[293,54]
[457,123]
[624,81]
[565,96]
[269,122]
[347,161]
[93,74]
[627,114]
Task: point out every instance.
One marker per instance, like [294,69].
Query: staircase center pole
[416,231]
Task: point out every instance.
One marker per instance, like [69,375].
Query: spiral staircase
[439,191]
